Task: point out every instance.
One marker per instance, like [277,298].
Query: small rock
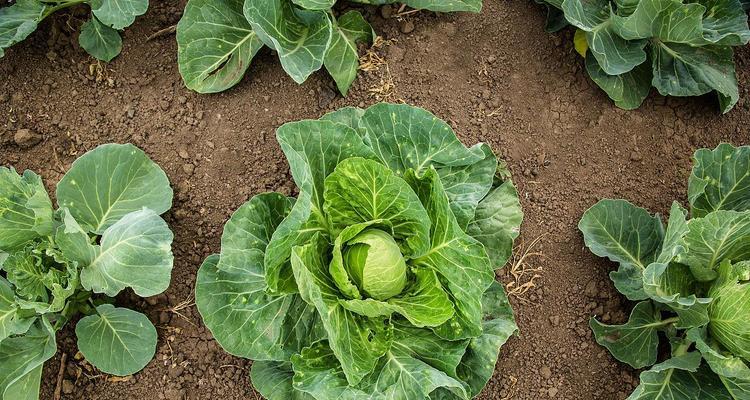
[590,290]
[552,392]
[26,138]
[407,27]
[181,99]
[546,372]
[635,156]
[67,386]
[182,152]
[386,11]
[188,168]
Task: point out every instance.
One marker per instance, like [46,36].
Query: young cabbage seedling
[378,280]
[217,39]
[105,236]
[99,35]
[691,278]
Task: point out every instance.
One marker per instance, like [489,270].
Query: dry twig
[162,32]
[60,373]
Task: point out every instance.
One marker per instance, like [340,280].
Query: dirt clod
[26,138]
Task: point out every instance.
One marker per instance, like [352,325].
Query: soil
[497,77]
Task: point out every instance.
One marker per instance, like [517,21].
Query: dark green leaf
[342,58]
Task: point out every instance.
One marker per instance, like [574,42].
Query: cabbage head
[378,280]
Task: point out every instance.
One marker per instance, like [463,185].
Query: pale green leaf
[99,40]
[357,342]
[674,285]
[720,180]
[26,271]
[117,341]
[110,181]
[18,21]
[673,379]
[720,235]
[361,190]
[25,209]
[118,14]
[460,261]
[423,303]
[313,149]
[323,5]
[730,319]
[135,252]
[273,380]
[215,44]
[21,358]
[11,321]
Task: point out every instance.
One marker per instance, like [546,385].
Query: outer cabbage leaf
[11,321]
[25,209]
[273,379]
[230,295]
[720,180]
[99,40]
[497,222]
[111,181]
[478,364]
[405,137]
[313,149]
[674,379]
[627,235]
[721,235]
[118,14]
[627,90]
[300,37]
[21,359]
[342,58]
[18,21]
[135,252]
[614,54]
[635,342]
[215,44]
[118,341]
[460,261]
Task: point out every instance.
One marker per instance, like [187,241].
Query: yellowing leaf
[580,43]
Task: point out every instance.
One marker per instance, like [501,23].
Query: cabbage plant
[99,36]
[682,48]
[378,280]
[59,265]
[691,279]
[217,39]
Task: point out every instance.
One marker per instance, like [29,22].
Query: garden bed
[497,77]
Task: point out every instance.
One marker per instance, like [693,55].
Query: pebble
[552,392]
[188,168]
[26,138]
[635,156]
[407,27]
[67,386]
[546,372]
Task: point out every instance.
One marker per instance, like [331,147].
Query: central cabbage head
[374,262]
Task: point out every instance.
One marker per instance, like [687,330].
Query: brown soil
[497,77]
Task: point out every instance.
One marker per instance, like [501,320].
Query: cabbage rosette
[378,280]
[692,278]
